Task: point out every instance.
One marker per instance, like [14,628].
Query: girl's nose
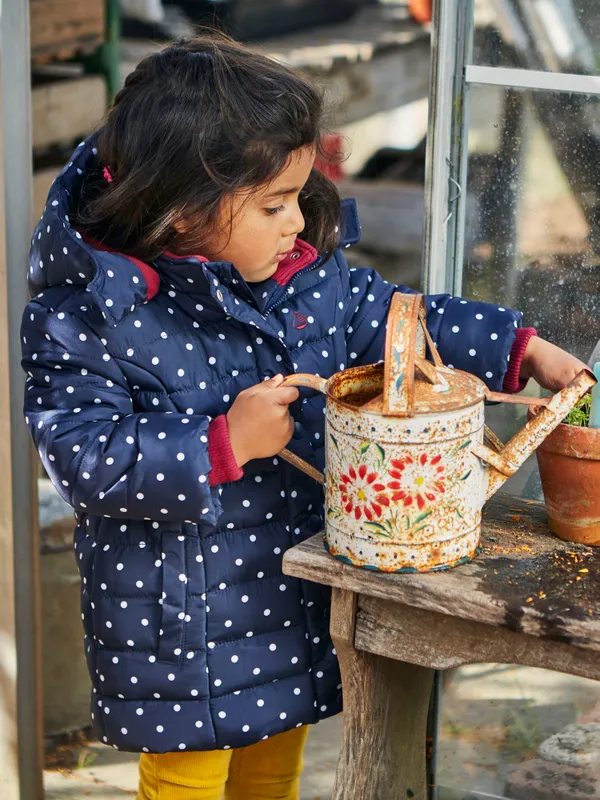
[296,223]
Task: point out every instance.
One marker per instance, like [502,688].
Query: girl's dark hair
[193,124]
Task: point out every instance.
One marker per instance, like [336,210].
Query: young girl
[173,293]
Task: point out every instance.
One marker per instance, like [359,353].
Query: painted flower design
[363,493]
[417,482]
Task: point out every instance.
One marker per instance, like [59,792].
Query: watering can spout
[505,461]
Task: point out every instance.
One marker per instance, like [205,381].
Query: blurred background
[531,236]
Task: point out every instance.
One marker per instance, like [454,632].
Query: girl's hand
[259,420]
[550,366]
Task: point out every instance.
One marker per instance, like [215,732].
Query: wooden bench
[528,599]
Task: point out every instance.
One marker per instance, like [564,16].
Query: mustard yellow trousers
[268,770]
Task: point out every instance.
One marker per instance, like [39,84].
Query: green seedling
[580,415]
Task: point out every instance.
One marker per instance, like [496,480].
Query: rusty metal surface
[491,440]
[453,389]
[400,346]
[308,381]
[495,459]
[302,465]
[516,399]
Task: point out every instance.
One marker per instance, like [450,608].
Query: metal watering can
[407,468]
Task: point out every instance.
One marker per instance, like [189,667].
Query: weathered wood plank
[382,752]
[425,638]
[61,28]
[66,110]
[391,78]
[343,614]
[525,579]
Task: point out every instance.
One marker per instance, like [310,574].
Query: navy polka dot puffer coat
[195,640]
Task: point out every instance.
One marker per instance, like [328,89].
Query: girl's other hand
[259,421]
[550,366]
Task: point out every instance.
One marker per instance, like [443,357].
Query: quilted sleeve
[471,336]
[101,456]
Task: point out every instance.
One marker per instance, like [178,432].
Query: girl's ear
[182,225]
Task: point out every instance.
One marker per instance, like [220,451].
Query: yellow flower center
[361,495]
[420,481]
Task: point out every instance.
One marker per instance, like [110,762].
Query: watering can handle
[406,342]
[320,385]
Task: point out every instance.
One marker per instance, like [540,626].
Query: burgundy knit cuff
[224,467]
[512,379]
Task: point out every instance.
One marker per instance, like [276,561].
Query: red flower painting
[363,493]
[416,482]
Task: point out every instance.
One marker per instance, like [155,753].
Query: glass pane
[532,238]
[532,242]
[550,35]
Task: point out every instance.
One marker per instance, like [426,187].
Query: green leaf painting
[423,516]
[375,527]
[334,440]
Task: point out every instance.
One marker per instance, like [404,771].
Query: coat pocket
[174,598]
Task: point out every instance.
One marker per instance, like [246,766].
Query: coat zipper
[309,268]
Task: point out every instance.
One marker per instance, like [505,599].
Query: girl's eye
[272,211]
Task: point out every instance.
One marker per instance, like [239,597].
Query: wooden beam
[343,614]
[425,638]
[382,754]
[61,28]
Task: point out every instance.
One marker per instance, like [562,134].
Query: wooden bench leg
[386,703]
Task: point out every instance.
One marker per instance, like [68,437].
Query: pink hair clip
[108,176]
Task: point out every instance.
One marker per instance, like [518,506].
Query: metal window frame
[451,45]
[533,79]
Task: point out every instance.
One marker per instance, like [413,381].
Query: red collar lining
[150,275]
[301,256]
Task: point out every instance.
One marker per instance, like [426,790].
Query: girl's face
[257,230]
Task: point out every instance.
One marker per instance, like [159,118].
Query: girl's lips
[282,256]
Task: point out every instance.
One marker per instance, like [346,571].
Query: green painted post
[105,61]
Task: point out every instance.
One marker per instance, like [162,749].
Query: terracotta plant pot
[569,461]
